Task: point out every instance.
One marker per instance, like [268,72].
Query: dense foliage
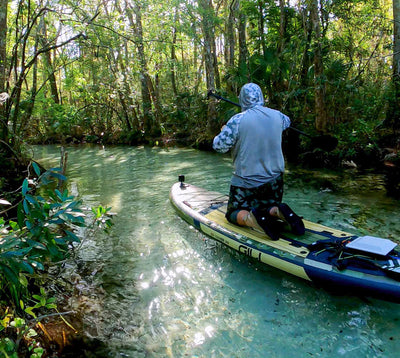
[43,236]
[139,71]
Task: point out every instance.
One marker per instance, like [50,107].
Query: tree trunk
[306,58]
[207,13]
[3,41]
[230,41]
[131,119]
[232,6]
[396,64]
[47,61]
[243,52]
[278,84]
[261,25]
[144,77]
[320,108]
[27,113]
[282,26]
[124,93]
[173,56]
[215,62]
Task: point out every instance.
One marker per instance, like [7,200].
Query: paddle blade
[324,142]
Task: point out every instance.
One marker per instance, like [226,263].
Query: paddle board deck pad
[335,260]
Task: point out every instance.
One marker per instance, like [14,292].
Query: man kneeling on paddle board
[255,137]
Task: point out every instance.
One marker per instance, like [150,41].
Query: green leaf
[36,168]
[31,199]
[26,207]
[9,243]
[60,241]
[54,206]
[10,254]
[13,225]
[72,236]
[58,176]
[25,187]
[28,268]
[73,205]
[52,196]
[36,245]
[23,281]
[53,250]
[78,220]
[56,221]
[18,322]
[58,193]
[29,310]
[31,333]
[37,352]
[37,264]
[10,275]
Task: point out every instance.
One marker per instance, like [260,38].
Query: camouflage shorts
[261,197]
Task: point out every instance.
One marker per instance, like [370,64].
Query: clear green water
[156,287]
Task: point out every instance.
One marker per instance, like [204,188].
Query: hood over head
[250,96]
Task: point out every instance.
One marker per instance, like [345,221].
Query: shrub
[42,236]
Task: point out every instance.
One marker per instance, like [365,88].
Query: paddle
[325,141]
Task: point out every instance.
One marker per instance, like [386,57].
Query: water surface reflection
[165,290]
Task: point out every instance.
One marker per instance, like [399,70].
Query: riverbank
[35,249]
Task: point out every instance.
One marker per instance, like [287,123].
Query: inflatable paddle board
[332,259]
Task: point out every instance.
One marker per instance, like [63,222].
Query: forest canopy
[133,72]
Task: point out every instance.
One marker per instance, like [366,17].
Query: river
[156,287]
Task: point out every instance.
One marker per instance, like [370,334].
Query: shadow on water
[155,287]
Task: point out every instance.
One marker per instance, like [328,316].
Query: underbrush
[42,237]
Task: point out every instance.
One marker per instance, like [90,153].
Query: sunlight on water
[162,289]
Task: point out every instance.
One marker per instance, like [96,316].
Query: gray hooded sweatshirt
[255,138]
